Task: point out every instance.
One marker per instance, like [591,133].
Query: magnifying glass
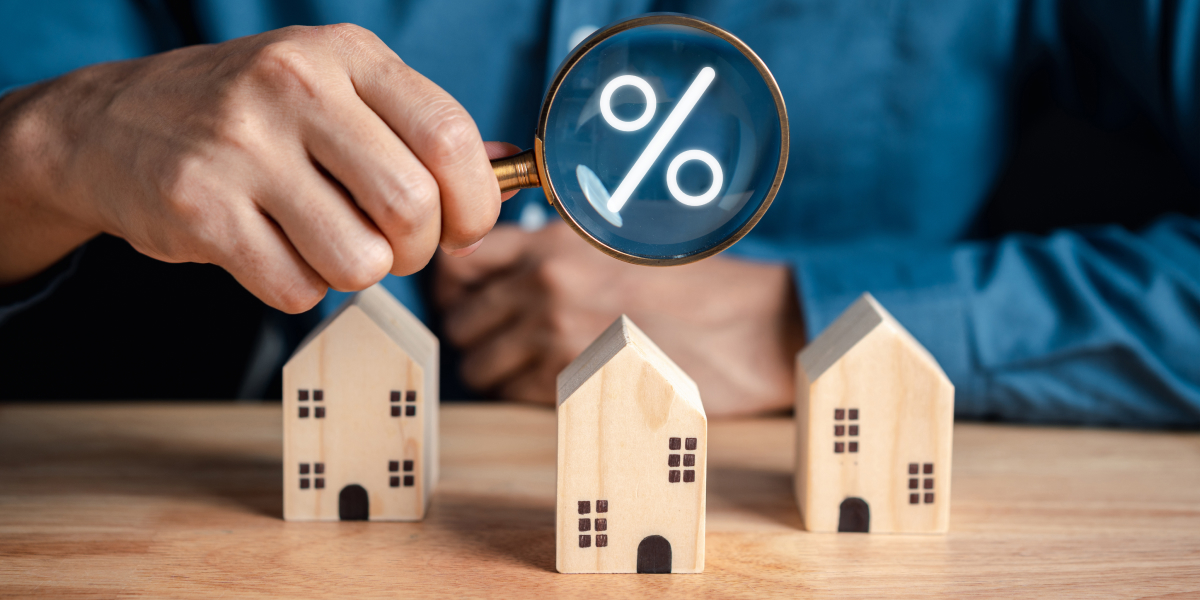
[662,140]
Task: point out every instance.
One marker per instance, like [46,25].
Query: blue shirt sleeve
[1100,326]
[1093,326]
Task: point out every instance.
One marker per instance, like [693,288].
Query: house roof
[620,335]
[863,317]
[392,318]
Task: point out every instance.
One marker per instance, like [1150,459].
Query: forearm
[35,231]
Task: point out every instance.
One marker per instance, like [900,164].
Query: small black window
[913,468]
[854,430]
[304,468]
[585,524]
[601,540]
[303,412]
[318,395]
[319,483]
[854,414]
[913,483]
[929,484]
[410,395]
[690,444]
[395,411]
[303,395]
[585,541]
[672,460]
[689,476]
[839,430]
[839,414]
[929,468]
[318,468]
[853,446]
[689,460]
[408,466]
[410,410]
[585,507]
[929,498]
[601,524]
[408,481]
[319,412]
[601,506]
[304,483]
[839,446]
[914,498]
[394,481]
[673,477]
[393,466]
[674,443]
[395,396]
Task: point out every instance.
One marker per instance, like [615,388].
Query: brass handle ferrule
[516,172]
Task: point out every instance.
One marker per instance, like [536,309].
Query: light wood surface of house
[360,415]
[184,501]
[874,422]
[632,438]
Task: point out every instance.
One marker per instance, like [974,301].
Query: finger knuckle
[453,136]
[408,203]
[347,32]
[286,64]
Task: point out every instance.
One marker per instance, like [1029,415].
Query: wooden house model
[874,420]
[632,446]
[360,415]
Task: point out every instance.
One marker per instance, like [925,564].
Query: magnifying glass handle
[516,172]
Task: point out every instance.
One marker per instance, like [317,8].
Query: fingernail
[461,252]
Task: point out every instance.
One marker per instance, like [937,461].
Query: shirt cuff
[19,296]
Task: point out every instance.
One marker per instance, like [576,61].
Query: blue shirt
[901,118]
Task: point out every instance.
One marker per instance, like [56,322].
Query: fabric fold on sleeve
[1097,326]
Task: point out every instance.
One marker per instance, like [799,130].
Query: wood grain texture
[874,421]
[185,501]
[630,420]
[375,426]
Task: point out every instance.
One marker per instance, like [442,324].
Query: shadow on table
[132,465]
[507,528]
[765,493]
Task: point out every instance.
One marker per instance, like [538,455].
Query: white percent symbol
[610,206]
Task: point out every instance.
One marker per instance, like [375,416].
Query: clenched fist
[526,304]
[298,159]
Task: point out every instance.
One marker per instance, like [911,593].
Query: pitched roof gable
[863,317]
[392,318]
[620,335]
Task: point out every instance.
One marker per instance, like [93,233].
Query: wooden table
[184,500]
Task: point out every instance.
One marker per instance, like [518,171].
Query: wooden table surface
[184,500]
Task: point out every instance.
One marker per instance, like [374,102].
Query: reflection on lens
[663,141]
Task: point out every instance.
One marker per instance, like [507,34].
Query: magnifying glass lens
[663,139]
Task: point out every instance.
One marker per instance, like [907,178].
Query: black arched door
[654,555]
[353,504]
[855,517]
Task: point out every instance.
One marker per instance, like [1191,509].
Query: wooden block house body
[360,415]
[874,421]
[632,448]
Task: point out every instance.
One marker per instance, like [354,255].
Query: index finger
[438,130]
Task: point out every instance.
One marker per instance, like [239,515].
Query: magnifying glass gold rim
[528,168]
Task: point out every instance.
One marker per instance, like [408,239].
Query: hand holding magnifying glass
[662,140]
